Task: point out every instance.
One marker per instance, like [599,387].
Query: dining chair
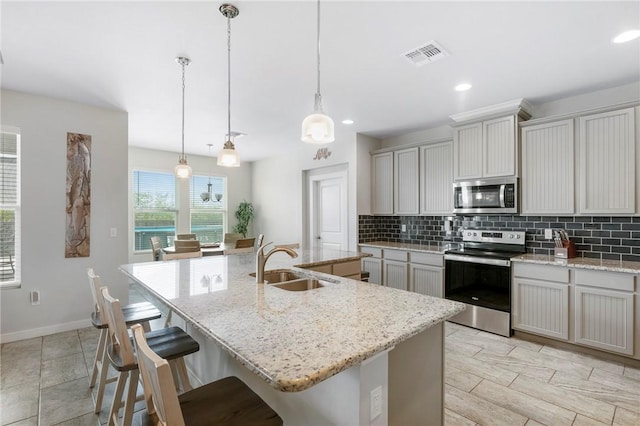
[230,238]
[182,255]
[184,246]
[227,401]
[156,248]
[186,237]
[171,343]
[245,242]
[133,314]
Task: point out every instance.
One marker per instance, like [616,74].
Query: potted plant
[245,215]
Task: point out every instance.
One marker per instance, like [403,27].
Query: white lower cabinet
[582,306]
[426,274]
[419,272]
[373,264]
[604,315]
[541,300]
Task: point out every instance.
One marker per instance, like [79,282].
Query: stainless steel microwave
[487,196]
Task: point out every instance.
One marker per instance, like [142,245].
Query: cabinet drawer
[399,255]
[541,272]
[375,252]
[426,258]
[602,279]
[344,269]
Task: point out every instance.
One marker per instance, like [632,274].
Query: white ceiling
[121,55]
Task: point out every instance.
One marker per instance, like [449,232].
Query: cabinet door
[499,147]
[604,319]
[382,191]
[607,163]
[374,267]
[548,168]
[406,181]
[436,179]
[467,152]
[541,307]
[395,274]
[426,280]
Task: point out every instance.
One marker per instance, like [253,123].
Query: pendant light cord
[183,64]
[318,45]
[229,77]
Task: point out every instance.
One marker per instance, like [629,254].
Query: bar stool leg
[117,398]
[102,343]
[130,402]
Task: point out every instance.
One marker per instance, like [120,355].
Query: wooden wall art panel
[77,236]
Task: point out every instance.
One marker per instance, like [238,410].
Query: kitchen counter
[434,247]
[292,340]
[581,262]
[314,356]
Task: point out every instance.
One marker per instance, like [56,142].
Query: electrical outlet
[35,297]
[403,228]
[113,232]
[548,234]
[375,403]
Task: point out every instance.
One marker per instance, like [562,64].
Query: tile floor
[490,380]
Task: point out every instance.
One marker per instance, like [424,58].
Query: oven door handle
[474,259]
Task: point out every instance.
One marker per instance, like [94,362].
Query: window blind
[154,190]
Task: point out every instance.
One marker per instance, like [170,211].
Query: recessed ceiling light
[347,121]
[462,87]
[627,36]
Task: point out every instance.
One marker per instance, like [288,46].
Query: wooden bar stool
[134,313]
[170,343]
[224,402]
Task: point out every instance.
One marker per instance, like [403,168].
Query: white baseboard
[44,331]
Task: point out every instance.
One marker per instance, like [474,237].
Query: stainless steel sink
[300,284]
[279,275]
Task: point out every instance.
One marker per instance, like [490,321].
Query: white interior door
[328,218]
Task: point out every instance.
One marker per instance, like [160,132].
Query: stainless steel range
[479,275]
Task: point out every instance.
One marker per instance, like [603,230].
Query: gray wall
[65,295]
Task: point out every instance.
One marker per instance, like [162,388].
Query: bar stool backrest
[118,335]
[158,383]
[95,284]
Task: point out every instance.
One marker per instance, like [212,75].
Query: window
[208,208]
[9,209]
[154,208]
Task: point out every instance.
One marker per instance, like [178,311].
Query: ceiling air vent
[425,54]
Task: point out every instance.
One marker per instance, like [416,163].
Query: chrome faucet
[261,259]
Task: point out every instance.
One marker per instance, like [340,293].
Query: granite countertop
[292,340]
[581,262]
[432,247]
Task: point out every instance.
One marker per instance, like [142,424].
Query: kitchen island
[346,353]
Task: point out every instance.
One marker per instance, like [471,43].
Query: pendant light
[182,170]
[318,127]
[228,156]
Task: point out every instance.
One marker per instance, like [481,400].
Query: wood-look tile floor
[490,380]
[494,380]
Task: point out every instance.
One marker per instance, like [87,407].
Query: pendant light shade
[182,170]
[318,127]
[228,156]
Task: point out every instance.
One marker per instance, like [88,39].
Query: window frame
[17,209]
[175,209]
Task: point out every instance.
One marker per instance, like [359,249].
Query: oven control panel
[488,236]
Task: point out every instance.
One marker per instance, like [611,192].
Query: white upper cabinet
[382,181]
[607,163]
[467,152]
[499,148]
[548,168]
[406,182]
[486,149]
[436,178]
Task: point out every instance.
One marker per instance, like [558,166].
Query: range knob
[475,234]
[511,236]
[468,234]
[518,237]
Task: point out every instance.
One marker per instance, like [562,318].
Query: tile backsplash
[616,238]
